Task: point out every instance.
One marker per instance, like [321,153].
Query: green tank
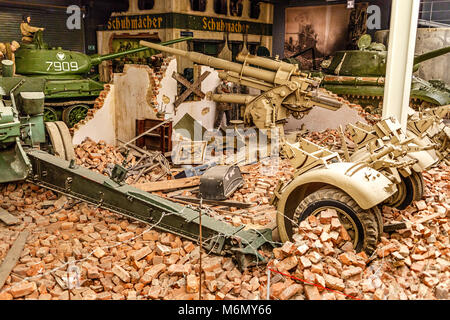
[70,86]
[359,77]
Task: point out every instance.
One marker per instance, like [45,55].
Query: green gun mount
[22,141]
[70,88]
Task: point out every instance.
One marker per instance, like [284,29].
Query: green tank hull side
[72,89]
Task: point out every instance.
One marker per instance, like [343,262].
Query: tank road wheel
[60,140]
[74,114]
[362,226]
[50,114]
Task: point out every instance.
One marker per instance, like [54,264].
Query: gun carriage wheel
[363,227]
[60,140]
[409,190]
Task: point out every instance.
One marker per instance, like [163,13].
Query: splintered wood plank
[168,184]
[12,257]
[8,218]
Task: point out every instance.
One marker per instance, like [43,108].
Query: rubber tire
[366,221]
[414,189]
[418,184]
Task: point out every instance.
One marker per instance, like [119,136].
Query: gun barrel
[232,98]
[266,75]
[99,59]
[267,63]
[326,102]
[430,55]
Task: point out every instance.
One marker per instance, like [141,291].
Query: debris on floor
[111,257]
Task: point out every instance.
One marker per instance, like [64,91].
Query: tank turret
[70,88]
[359,76]
[33,60]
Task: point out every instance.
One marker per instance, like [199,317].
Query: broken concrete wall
[100,123]
[203,111]
[319,119]
[133,98]
[141,93]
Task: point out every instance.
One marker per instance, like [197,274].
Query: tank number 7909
[62,66]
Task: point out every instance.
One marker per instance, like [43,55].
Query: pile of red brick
[323,258]
[409,264]
[413,263]
[101,158]
[147,265]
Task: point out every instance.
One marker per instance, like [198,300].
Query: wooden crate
[159,139]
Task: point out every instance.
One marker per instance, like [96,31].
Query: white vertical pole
[402,42]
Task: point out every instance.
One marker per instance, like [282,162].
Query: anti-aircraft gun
[285,89]
[354,187]
[23,139]
[70,89]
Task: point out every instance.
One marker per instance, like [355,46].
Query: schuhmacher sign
[182,21]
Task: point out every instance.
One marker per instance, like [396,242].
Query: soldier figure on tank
[29,32]
[7,51]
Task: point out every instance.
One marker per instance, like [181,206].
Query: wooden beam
[226,203]
[12,257]
[168,184]
[8,218]
[428,218]
[191,88]
[394,227]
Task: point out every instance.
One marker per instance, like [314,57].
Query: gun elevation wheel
[362,226]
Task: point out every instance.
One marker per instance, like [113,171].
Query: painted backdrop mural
[322,27]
